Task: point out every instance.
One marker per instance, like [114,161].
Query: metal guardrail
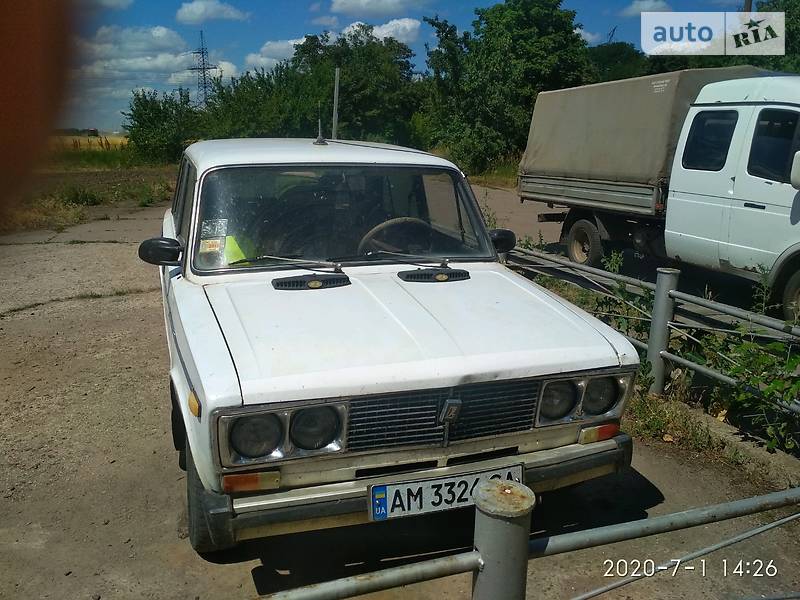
[502,547]
[663,314]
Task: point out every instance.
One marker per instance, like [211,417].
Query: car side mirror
[794,178]
[161,251]
[504,240]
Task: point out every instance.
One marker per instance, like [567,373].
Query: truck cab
[731,203]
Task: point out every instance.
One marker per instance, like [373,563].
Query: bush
[159,127]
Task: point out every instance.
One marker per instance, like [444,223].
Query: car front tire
[201,536]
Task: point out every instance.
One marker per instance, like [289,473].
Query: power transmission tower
[203,70]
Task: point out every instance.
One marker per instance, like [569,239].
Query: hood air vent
[433,275]
[311,282]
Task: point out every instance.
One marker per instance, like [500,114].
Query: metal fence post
[502,530]
[663,312]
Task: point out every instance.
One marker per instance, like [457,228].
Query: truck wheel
[791,298]
[584,245]
[200,534]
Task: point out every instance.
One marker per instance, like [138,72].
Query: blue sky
[131,44]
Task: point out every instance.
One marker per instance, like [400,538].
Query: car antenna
[320,141]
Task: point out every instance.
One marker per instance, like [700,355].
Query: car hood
[383,334]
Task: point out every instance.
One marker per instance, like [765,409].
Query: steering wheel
[369,237]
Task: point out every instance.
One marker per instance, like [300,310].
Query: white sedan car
[345,345]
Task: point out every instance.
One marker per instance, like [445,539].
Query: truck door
[701,184]
[765,209]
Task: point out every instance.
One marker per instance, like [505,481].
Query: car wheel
[584,245]
[791,298]
[199,531]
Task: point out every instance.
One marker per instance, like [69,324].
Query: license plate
[412,498]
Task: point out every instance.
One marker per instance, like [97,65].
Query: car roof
[763,90]
[265,151]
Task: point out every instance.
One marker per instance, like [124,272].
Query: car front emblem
[442,277]
[450,411]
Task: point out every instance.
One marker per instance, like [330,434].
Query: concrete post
[502,530]
[663,312]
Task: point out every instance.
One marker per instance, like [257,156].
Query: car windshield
[342,213]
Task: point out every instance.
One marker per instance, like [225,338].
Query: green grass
[501,174]
[115,158]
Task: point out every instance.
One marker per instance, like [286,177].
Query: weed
[78,196]
[489,216]
[49,212]
[147,195]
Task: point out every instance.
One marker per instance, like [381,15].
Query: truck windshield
[334,212]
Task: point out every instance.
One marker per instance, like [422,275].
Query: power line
[203,69]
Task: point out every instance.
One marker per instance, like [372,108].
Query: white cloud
[112,41]
[272,52]
[200,11]
[315,7]
[403,30]
[635,8]
[326,21]
[375,8]
[686,48]
[588,36]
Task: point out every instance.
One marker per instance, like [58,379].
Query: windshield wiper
[409,258]
[293,259]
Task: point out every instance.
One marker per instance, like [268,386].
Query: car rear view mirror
[794,178]
[504,240]
[161,251]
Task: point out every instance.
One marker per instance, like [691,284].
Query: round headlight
[314,428]
[558,400]
[601,395]
[256,436]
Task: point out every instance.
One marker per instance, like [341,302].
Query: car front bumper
[346,503]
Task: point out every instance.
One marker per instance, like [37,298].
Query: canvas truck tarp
[623,130]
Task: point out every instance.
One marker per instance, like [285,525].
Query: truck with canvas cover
[693,165]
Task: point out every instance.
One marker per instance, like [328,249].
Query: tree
[379,93]
[487,80]
[159,128]
[617,60]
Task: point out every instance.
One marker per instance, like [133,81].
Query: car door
[765,209]
[701,184]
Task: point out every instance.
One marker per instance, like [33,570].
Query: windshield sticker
[212,245]
[214,228]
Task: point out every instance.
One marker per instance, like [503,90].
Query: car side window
[709,140]
[188,196]
[774,145]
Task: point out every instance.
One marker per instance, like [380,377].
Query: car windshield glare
[323,212]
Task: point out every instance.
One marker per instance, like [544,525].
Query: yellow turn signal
[194,404]
[598,434]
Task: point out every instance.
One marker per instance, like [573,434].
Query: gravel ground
[91,497]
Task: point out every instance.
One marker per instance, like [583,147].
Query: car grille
[412,418]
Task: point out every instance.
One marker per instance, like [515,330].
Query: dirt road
[91,496]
